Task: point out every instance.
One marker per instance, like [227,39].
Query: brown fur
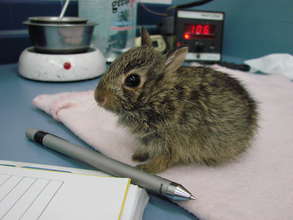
[180,115]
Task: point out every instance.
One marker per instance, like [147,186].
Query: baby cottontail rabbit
[180,115]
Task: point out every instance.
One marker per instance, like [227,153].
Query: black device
[200,31]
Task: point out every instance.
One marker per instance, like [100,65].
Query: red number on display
[206,30]
[200,29]
[192,31]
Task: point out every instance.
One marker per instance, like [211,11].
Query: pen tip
[192,197]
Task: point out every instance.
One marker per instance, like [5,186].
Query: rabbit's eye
[132,81]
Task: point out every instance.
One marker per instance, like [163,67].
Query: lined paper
[29,194]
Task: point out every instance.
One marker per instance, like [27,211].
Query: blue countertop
[18,114]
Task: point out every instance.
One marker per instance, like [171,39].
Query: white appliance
[61,67]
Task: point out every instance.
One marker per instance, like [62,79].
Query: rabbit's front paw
[155,165]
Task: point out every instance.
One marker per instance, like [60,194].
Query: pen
[101,162]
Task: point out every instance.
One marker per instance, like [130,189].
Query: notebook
[34,191]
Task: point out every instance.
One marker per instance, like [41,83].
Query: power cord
[192,4]
[151,11]
[187,5]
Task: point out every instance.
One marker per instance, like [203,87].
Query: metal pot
[57,20]
[60,38]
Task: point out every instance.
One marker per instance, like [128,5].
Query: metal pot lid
[57,20]
[59,25]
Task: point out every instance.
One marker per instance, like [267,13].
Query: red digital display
[195,31]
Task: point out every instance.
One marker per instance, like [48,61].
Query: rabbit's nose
[101,98]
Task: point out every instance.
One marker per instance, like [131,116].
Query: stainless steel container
[57,20]
[60,38]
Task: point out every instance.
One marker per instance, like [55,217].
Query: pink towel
[259,185]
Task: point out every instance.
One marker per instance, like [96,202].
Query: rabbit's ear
[145,37]
[176,59]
